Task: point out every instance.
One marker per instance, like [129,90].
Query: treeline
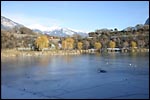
[17,38]
[123,38]
[100,39]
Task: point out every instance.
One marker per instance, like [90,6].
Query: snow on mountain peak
[5,22]
[38,26]
[77,30]
[56,30]
[44,28]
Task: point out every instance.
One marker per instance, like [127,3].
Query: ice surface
[76,77]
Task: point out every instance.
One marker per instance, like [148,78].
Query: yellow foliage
[68,43]
[97,45]
[64,44]
[42,42]
[80,45]
[112,44]
[133,44]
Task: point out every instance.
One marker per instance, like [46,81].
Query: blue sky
[80,15]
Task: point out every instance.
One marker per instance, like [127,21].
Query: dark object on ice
[28,76]
[101,70]
[34,93]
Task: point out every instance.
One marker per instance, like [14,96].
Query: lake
[127,76]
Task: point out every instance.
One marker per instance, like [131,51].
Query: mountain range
[57,31]
[7,24]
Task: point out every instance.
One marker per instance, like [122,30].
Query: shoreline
[16,53]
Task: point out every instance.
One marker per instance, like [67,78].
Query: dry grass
[15,53]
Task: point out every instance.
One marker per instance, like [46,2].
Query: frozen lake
[127,76]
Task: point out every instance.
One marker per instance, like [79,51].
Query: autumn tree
[42,42]
[112,44]
[68,43]
[97,45]
[133,44]
[80,45]
[64,44]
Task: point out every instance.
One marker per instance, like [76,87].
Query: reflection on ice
[76,76]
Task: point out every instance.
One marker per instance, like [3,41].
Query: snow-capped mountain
[37,31]
[9,24]
[63,32]
[56,31]
[38,27]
